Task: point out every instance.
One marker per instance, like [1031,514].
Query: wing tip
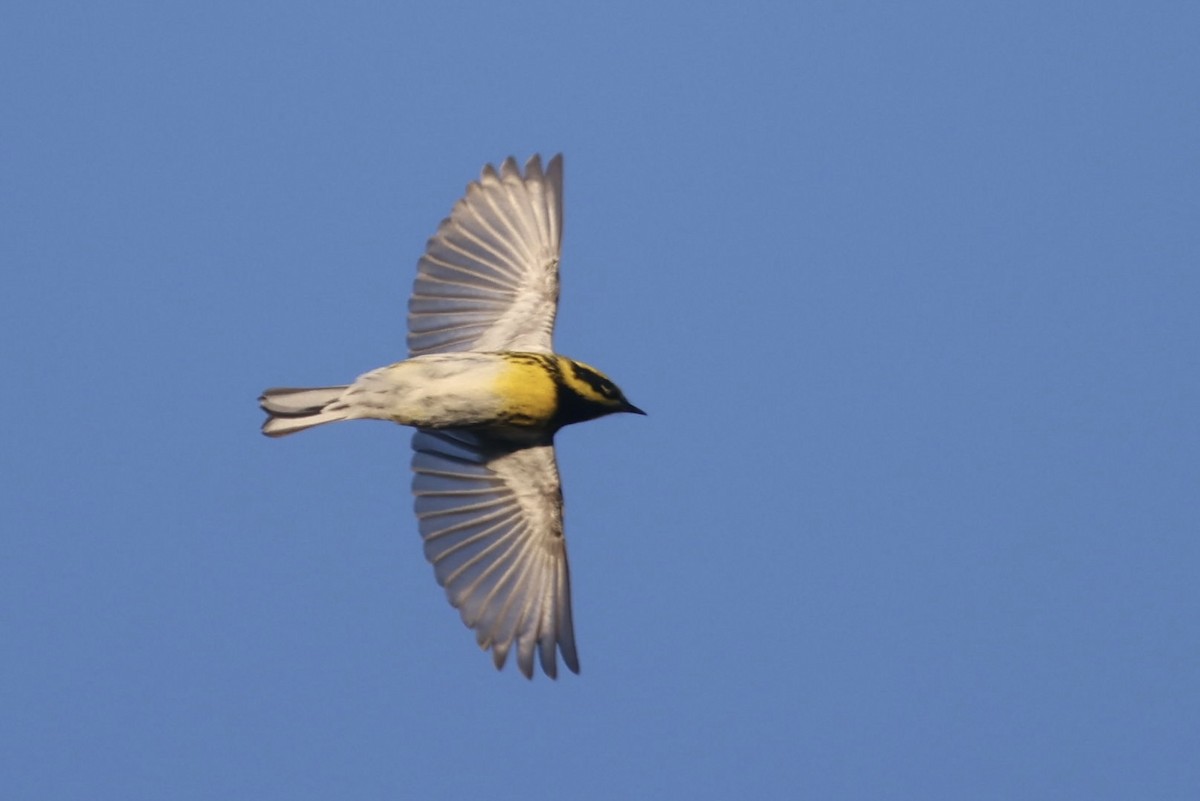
[510,168]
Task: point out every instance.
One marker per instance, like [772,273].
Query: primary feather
[491,518]
[489,276]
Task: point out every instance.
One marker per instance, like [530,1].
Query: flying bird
[486,394]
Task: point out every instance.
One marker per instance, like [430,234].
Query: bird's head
[588,393]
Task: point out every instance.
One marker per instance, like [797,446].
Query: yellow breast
[527,387]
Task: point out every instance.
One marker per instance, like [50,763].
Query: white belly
[432,391]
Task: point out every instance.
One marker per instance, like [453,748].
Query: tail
[292,410]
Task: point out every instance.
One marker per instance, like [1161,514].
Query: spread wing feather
[491,519]
[489,277]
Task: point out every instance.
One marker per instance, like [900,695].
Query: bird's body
[486,393]
[507,395]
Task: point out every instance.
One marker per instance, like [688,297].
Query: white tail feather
[294,410]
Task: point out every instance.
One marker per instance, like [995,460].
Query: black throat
[574,408]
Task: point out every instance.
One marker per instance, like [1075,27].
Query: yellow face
[549,391]
[594,388]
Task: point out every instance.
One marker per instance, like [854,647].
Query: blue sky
[909,291]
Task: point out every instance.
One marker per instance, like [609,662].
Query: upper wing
[491,518]
[489,276]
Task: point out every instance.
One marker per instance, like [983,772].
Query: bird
[486,393]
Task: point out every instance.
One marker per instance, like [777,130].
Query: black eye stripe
[600,384]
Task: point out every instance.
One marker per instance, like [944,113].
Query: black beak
[629,407]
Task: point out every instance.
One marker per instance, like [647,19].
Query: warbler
[487,393]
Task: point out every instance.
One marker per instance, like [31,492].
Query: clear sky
[910,292]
